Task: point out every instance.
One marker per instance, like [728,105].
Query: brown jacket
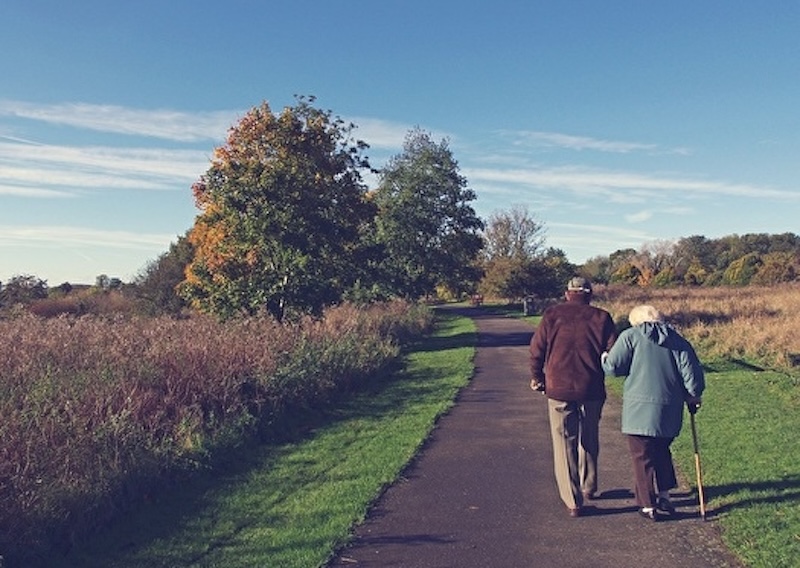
[566,348]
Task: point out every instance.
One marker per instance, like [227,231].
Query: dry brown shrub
[754,322]
[96,410]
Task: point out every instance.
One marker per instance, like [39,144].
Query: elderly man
[565,364]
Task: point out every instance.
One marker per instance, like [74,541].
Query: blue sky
[618,124]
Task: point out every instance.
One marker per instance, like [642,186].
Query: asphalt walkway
[482,492]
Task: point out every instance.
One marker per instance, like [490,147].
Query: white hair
[641,314]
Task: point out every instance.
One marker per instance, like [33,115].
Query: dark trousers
[652,467]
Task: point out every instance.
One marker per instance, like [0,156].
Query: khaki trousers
[575,429]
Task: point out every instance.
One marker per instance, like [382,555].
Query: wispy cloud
[160,123]
[63,236]
[619,186]
[572,142]
[639,216]
[52,171]
[587,239]
[12,190]
[382,134]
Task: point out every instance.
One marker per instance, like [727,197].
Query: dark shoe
[663,504]
[575,512]
[651,515]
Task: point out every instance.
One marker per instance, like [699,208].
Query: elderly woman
[662,373]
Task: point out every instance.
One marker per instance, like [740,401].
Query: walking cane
[692,411]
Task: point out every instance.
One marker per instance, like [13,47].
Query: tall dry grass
[98,412]
[754,323]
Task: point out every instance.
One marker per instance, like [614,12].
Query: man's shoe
[665,505]
[575,512]
[650,514]
[589,496]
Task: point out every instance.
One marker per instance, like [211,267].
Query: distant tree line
[733,260]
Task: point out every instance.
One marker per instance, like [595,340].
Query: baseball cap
[579,284]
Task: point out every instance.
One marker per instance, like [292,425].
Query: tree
[777,268]
[426,226]
[513,234]
[742,270]
[156,286]
[22,289]
[515,265]
[283,208]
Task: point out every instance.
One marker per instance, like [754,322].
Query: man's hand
[537,386]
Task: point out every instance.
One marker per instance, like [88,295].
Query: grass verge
[748,447]
[292,505]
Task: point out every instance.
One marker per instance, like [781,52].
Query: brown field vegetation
[756,323]
[98,412]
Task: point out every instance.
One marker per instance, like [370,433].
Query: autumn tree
[513,233]
[513,260]
[282,210]
[426,225]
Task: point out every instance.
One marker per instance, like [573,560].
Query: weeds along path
[293,504]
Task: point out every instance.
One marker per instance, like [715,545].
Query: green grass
[749,452]
[294,504]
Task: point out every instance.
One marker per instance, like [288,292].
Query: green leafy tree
[512,239]
[626,273]
[742,270]
[22,289]
[777,268]
[426,226]
[156,286]
[283,209]
[597,269]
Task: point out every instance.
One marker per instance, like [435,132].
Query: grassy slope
[749,453]
[291,505]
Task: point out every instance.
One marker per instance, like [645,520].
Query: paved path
[482,493]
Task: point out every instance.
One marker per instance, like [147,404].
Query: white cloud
[160,123]
[619,185]
[33,192]
[47,170]
[382,134]
[639,217]
[63,236]
[572,142]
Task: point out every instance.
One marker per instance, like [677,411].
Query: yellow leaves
[209,240]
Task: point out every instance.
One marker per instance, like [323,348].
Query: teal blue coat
[661,370]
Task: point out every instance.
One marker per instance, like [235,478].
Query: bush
[98,413]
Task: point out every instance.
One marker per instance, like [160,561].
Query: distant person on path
[662,373]
[565,364]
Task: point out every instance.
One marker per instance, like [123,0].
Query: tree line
[287,225]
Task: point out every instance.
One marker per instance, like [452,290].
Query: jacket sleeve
[538,350]
[610,333]
[618,362]
[692,372]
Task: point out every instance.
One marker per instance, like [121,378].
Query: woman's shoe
[665,505]
[649,513]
